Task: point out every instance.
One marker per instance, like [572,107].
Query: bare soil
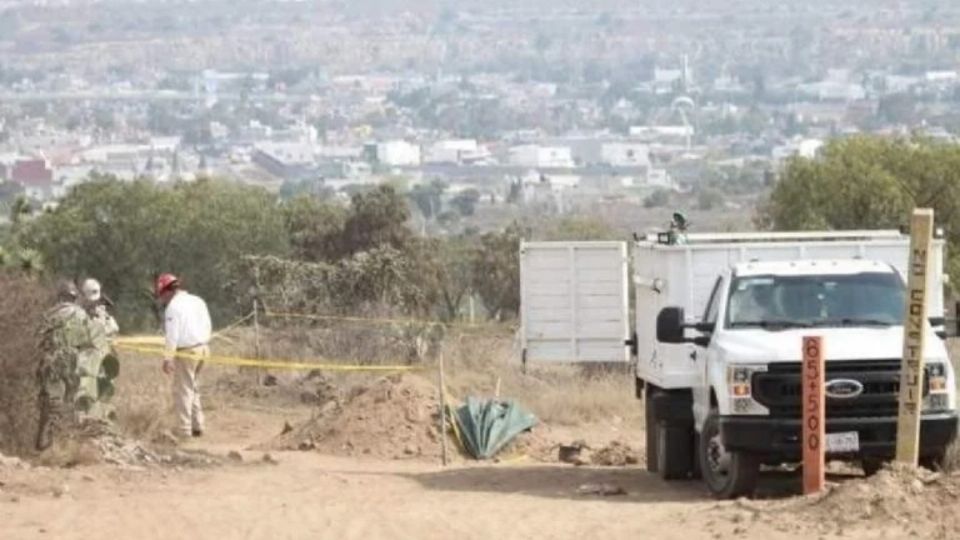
[247,489]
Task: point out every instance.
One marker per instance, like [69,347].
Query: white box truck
[719,321]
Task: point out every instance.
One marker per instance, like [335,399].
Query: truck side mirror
[945,327]
[670,324]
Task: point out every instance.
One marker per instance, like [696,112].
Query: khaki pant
[186,389]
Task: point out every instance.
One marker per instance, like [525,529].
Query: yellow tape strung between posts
[371,320]
[275,363]
[231,326]
[313,317]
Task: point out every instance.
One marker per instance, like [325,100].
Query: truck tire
[934,462]
[675,451]
[696,473]
[728,475]
[651,423]
[872,466]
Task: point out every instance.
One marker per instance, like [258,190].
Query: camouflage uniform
[66,345]
[99,370]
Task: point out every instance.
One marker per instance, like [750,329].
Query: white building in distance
[536,156]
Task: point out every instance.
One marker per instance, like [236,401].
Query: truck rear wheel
[728,474]
[651,423]
[675,451]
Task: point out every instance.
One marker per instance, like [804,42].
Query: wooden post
[443,413]
[914,322]
[814,416]
[258,372]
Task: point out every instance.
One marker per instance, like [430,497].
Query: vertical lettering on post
[814,415]
[915,311]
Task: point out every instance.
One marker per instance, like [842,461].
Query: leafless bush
[22,303]
[478,361]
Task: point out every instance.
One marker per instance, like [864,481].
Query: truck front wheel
[728,474]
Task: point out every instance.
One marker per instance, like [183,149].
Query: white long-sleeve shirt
[186,322]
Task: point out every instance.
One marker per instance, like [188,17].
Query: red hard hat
[164,282]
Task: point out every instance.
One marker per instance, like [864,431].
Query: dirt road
[312,495]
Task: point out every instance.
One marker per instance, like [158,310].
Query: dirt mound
[538,444]
[914,499]
[396,417]
[615,454]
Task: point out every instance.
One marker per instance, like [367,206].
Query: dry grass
[565,395]
[475,364]
[21,308]
[143,397]
[557,394]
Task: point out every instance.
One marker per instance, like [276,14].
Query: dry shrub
[351,341]
[22,304]
[143,396]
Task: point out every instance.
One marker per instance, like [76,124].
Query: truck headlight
[937,378]
[938,385]
[739,380]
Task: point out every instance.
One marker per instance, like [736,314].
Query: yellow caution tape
[231,326]
[310,316]
[137,341]
[373,320]
[158,341]
[272,363]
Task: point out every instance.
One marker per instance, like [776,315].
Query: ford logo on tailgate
[844,388]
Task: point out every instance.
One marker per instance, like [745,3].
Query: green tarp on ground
[487,425]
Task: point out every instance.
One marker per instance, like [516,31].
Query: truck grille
[779,388]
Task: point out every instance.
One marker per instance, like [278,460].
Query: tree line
[229,241]
[870,182]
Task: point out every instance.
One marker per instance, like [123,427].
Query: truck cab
[745,405]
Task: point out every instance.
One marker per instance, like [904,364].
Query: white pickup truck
[717,342]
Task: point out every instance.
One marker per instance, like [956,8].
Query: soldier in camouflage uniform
[66,342]
[98,370]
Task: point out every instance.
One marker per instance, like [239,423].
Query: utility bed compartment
[574,301]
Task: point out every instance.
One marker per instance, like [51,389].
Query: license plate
[842,443]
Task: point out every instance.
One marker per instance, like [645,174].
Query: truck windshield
[778,302]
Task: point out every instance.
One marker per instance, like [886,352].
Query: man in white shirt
[187,330]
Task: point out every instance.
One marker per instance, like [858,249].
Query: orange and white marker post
[814,415]
[914,323]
